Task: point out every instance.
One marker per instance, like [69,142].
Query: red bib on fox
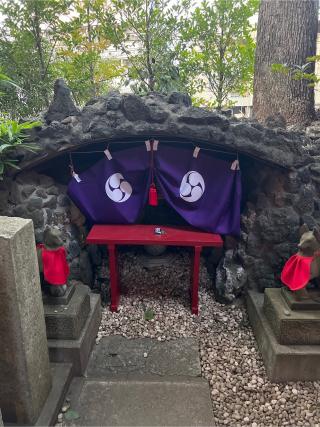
[296,272]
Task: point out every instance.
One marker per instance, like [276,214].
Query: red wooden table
[112,235]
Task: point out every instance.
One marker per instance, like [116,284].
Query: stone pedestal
[65,321]
[291,326]
[25,377]
[72,324]
[288,339]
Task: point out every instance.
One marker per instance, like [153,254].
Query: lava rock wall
[280,169]
[40,198]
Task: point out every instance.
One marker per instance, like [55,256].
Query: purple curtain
[205,191]
[114,191]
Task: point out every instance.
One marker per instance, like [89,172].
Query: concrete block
[78,351]
[166,401]
[25,377]
[66,321]
[119,355]
[48,299]
[290,326]
[283,363]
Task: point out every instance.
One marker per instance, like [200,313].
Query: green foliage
[217,49]
[161,46]
[43,40]
[80,57]
[6,82]
[299,72]
[149,314]
[71,415]
[30,31]
[146,33]
[12,136]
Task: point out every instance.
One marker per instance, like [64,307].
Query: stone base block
[61,379]
[48,299]
[66,321]
[140,401]
[283,362]
[78,351]
[290,326]
[312,303]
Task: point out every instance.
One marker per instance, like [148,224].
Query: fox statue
[53,266]
[305,264]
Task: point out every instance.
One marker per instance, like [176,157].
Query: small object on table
[158,230]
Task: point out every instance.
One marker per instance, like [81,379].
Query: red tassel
[153,196]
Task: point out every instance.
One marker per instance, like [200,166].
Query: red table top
[144,235]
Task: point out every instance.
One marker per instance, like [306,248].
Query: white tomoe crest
[117,188]
[192,186]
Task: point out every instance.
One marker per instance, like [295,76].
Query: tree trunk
[91,64]
[151,80]
[286,34]
[37,32]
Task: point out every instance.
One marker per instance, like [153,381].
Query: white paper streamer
[148,145]
[76,177]
[196,152]
[235,166]
[108,154]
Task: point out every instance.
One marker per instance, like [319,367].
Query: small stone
[65,407]
[60,417]
[145,355]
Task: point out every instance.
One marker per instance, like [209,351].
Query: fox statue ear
[316,232]
[303,229]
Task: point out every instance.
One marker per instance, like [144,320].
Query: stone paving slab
[161,402]
[119,355]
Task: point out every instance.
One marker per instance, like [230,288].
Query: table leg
[114,279]
[195,281]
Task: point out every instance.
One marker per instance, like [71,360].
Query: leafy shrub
[12,136]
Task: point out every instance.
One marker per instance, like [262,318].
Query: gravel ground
[241,392]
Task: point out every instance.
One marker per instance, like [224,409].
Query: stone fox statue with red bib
[305,264]
[53,266]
